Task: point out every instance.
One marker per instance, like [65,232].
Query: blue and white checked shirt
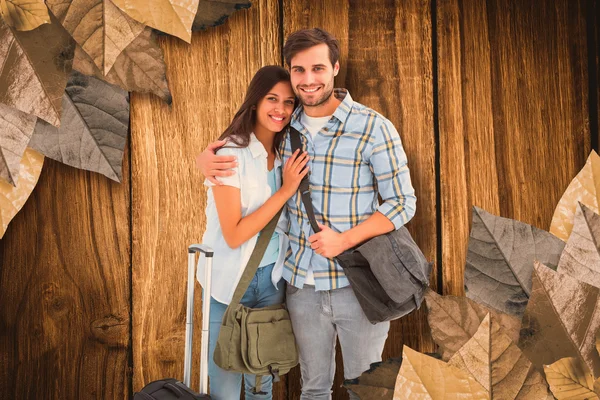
[357,155]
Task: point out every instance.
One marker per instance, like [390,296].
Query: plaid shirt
[353,158]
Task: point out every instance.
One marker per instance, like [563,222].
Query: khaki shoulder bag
[257,341]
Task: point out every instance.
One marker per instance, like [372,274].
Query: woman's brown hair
[243,122]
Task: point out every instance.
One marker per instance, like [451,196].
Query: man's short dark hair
[307,38]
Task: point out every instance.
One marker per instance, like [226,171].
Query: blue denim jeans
[226,385]
[319,318]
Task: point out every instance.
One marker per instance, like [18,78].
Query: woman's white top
[251,178]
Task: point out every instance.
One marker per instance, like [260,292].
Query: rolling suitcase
[172,389]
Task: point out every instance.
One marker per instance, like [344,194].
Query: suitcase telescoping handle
[189,319]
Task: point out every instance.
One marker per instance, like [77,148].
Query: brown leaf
[213,13]
[12,198]
[581,256]
[94,130]
[561,320]
[101,29]
[423,377]
[24,15]
[500,260]
[35,69]
[174,17]
[378,382]
[584,188]
[454,320]
[16,129]
[493,359]
[570,379]
[139,68]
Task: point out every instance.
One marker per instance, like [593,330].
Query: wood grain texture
[513,113]
[208,80]
[65,289]
[390,70]
[512,84]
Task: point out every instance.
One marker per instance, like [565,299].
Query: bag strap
[255,258]
[304,184]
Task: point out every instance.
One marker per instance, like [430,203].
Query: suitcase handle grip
[208,252]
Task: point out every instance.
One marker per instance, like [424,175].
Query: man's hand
[211,165]
[328,243]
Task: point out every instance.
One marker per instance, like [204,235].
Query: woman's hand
[294,170]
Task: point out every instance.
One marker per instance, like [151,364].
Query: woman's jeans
[226,385]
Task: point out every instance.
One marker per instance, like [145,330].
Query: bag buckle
[274,373]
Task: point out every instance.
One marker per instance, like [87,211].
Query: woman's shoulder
[231,148]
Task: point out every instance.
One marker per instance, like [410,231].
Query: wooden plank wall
[491,99]
[64,289]
[513,113]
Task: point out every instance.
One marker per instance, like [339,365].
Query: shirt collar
[341,112]
[256,147]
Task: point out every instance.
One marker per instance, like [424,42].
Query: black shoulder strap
[304,186]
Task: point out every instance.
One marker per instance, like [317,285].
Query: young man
[355,155]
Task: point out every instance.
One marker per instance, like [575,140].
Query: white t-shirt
[313,125]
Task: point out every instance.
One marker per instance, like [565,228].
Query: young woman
[242,205]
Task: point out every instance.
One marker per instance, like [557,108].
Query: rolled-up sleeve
[233,180]
[390,167]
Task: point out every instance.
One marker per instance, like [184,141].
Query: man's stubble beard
[320,101]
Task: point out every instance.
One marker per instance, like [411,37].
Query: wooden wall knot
[111,330]
[56,301]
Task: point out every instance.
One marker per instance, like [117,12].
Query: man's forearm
[377,224]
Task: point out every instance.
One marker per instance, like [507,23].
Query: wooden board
[65,289]
[386,64]
[208,80]
[513,113]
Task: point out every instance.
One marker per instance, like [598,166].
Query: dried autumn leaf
[35,67]
[378,382]
[454,320]
[16,129]
[423,377]
[98,26]
[570,379]
[581,256]
[496,362]
[93,132]
[12,198]
[139,68]
[213,13]
[584,188]
[174,17]
[561,320]
[500,260]
[24,15]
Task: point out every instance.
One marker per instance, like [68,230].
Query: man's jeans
[318,318]
[226,385]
